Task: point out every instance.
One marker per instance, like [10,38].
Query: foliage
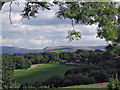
[21,62]
[72,34]
[31,8]
[8,80]
[54,81]
[114,83]
[102,13]
[99,75]
[113,49]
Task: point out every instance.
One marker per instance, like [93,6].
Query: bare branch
[17,3]
[10,12]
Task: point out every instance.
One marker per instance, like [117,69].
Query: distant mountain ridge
[12,50]
[72,48]
[97,47]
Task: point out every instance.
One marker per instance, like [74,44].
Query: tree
[21,62]
[7,72]
[31,8]
[102,13]
[99,75]
[38,59]
[54,82]
[114,83]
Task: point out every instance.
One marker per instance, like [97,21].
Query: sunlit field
[41,72]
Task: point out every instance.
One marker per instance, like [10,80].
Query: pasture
[90,86]
[41,72]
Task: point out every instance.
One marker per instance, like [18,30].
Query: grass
[98,86]
[41,72]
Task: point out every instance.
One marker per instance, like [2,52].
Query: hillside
[97,47]
[11,50]
[71,48]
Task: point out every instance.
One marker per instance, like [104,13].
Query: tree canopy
[105,14]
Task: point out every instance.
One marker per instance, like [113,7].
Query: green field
[41,72]
[98,85]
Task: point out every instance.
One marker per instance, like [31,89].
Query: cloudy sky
[45,30]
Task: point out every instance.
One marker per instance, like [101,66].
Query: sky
[43,31]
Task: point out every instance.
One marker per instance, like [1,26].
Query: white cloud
[16,17]
[40,42]
[87,29]
[0,40]
[12,41]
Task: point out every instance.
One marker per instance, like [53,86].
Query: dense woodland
[93,67]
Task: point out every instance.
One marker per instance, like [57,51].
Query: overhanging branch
[4,1]
[1,4]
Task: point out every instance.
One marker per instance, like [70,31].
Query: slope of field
[41,72]
[98,85]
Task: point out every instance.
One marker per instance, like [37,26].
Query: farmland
[97,85]
[41,72]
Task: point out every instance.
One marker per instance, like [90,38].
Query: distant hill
[97,47]
[71,48]
[11,50]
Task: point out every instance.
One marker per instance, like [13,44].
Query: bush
[79,79]
[55,81]
[114,83]
[67,82]
[99,75]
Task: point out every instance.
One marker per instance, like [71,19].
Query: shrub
[67,82]
[54,81]
[114,83]
[80,79]
[99,75]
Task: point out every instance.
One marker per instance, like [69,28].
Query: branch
[73,25]
[1,4]
[10,12]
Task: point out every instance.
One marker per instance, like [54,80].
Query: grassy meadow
[41,72]
[97,85]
